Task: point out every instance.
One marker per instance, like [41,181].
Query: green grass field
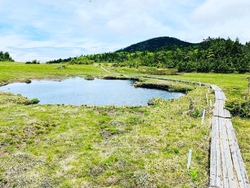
[90,146]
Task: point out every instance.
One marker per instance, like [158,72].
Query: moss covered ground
[91,146]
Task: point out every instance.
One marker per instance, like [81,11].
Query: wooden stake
[189,158]
[203,116]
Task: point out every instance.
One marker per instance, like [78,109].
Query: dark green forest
[159,43]
[211,55]
[5,56]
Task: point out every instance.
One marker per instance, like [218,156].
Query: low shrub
[89,77]
[238,107]
[196,113]
[34,101]
[154,101]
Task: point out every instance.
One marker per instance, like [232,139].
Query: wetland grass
[91,146]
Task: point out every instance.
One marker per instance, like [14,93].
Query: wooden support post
[248,88]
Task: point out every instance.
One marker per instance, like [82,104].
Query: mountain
[155,44]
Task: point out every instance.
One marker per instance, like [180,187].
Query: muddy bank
[148,85]
[161,87]
[120,78]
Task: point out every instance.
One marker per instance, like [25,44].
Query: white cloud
[84,16]
[224,18]
[44,29]
[213,11]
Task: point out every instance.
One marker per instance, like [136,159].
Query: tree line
[5,56]
[211,55]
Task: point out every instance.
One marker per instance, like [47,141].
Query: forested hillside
[5,56]
[211,55]
[156,44]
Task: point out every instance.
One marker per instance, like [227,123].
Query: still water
[79,91]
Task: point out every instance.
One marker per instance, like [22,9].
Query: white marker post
[189,158]
[203,116]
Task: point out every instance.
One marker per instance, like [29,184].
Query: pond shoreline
[101,92]
[138,82]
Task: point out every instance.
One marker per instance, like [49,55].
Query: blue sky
[52,29]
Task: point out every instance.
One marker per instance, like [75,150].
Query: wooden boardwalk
[227,169]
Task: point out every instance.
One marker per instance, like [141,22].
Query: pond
[78,91]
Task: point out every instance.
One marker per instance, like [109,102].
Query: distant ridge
[155,44]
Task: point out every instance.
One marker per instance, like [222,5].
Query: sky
[51,29]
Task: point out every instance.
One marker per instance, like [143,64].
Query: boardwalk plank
[229,177]
[236,157]
[227,114]
[216,109]
[218,156]
[214,166]
[224,171]
[221,108]
[223,96]
[226,164]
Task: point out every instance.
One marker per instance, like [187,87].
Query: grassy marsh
[82,146]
